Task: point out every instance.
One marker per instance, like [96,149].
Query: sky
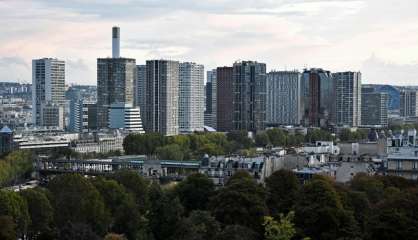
[377,37]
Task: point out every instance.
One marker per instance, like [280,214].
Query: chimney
[115,42]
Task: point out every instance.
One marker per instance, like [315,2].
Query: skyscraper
[125,116]
[284,98]
[318,90]
[141,77]
[48,83]
[374,108]
[191,96]
[348,98]
[224,99]
[249,95]
[210,113]
[409,103]
[162,93]
[115,81]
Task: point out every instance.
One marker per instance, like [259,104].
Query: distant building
[141,77]
[52,115]
[162,96]
[79,116]
[284,98]
[409,103]
[348,98]
[126,117]
[48,83]
[6,140]
[318,97]
[115,81]
[224,99]
[191,97]
[249,96]
[374,108]
[211,98]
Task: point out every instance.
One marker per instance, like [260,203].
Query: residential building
[374,108]
[141,77]
[249,96]
[210,112]
[318,90]
[48,83]
[191,97]
[115,81]
[224,99]
[79,116]
[52,115]
[348,98]
[162,96]
[126,117]
[284,98]
[409,103]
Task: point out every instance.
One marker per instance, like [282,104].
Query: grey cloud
[79,65]
[10,61]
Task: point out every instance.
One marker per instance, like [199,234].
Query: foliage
[237,232]
[283,229]
[282,187]
[16,165]
[7,228]
[14,206]
[170,152]
[200,225]
[195,191]
[113,236]
[346,135]
[315,135]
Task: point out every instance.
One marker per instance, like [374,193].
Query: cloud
[376,70]
[6,62]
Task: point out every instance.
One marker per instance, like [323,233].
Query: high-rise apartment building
[126,117]
[224,99]
[210,113]
[115,81]
[161,97]
[348,98]
[318,89]
[284,98]
[374,108]
[409,103]
[249,96]
[191,97]
[48,90]
[141,77]
[79,115]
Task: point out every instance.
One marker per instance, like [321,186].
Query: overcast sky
[377,37]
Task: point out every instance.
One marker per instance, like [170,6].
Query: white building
[191,97]
[284,98]
[125,116]
[48,88]
[348,98]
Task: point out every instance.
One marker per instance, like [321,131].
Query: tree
[240,202]
[76,200]
[170,152]
[14,206]
[135,184]
[240,138]
[195,191]
[165,213]
[282,188]
[126,217]
[79,231]
[262,140]
[200,225]
[282,230]
[372,186]
[237,232]
[320,213]
[7,228]
[277,137]
[40,211]
[16,165]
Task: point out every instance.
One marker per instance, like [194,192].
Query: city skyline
[377,38]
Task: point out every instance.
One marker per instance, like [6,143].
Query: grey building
[139,98]
[284,98]
[126,117]
[191,97]
[374,108]
[409,103]
[115,81]
[48,88]
[210,112]
[161,97]
[249,96]
[348,98]
[79,115]
[318,90]
[224,99]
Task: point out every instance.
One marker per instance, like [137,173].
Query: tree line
[126,206]
[15,167]
[194,146]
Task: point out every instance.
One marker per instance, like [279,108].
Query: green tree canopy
[195,191]
[282,188]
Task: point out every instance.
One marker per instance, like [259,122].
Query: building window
[399,165]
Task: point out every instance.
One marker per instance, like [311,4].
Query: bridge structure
[147,168]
